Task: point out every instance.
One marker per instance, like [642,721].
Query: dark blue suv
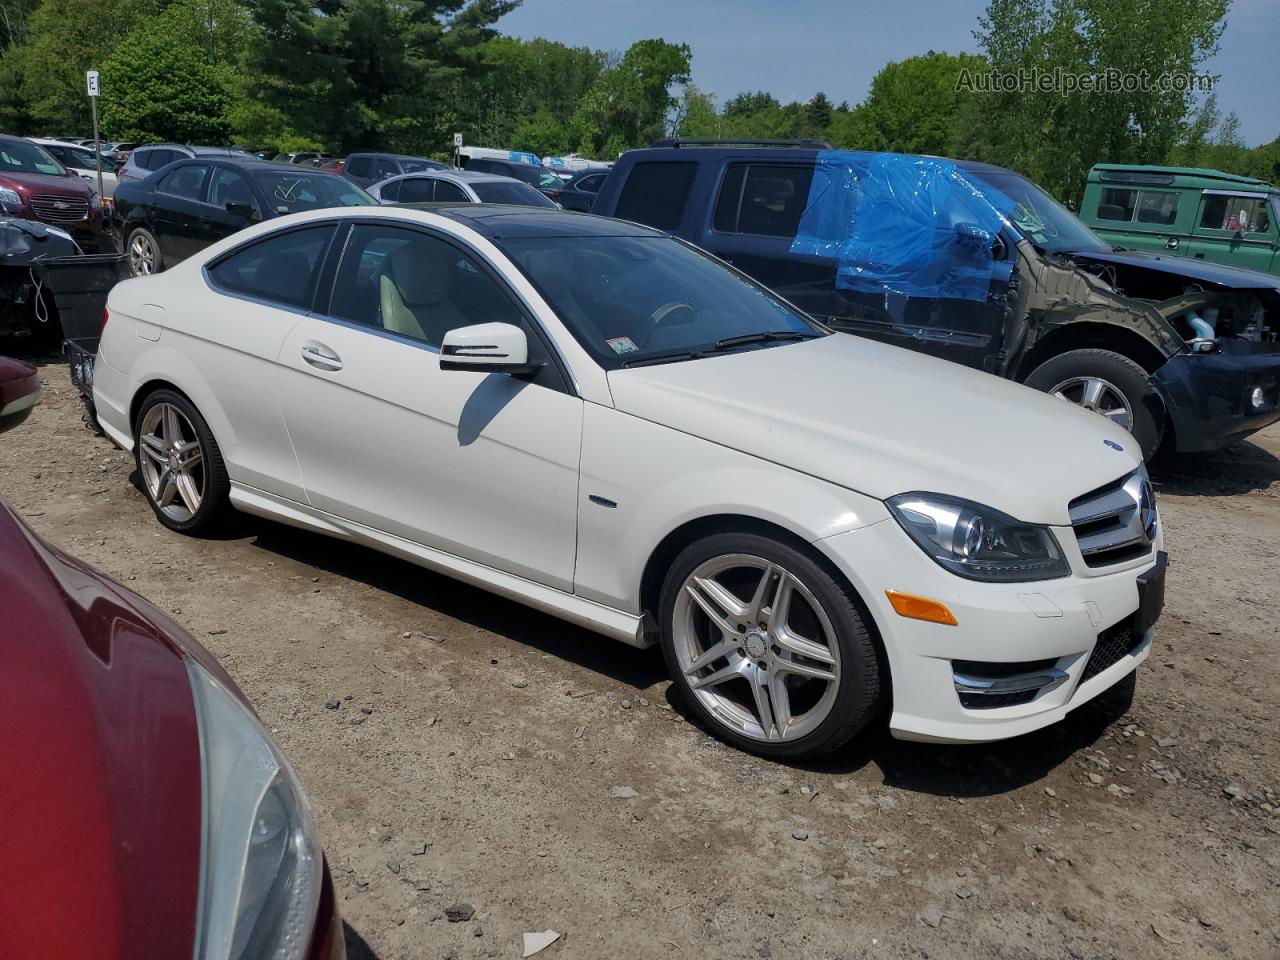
[974,263]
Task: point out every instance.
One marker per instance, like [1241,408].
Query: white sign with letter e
[91,81]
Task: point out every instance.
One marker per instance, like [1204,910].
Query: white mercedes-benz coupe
[610,425]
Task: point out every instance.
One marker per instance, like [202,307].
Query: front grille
[1116,522]
[1113,644]
[60,209]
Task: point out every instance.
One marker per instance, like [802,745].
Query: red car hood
[43,184]
[101,766]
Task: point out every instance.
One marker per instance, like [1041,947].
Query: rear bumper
[1209,397]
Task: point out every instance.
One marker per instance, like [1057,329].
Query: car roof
[250,163]
[802,154]
[459,176]
[1180,175]
[393,156]
[497,220]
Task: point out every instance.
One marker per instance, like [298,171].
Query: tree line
[403,75]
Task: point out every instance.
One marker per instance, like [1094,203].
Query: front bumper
[1061,621]
[1208,395]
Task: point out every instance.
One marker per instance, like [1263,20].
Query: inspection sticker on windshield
[622,345]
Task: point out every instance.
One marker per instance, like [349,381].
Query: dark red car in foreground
[148,813]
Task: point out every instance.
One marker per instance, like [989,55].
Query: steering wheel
[661,315]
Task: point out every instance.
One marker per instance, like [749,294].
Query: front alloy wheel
[767,647]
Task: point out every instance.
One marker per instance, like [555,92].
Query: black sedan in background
[578,192]
[185,206]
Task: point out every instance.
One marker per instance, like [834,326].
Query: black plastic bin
[80,286]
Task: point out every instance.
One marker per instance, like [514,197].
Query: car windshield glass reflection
[290,192]
[635,300]
[28,158]
[1040,218]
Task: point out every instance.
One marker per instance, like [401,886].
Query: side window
[1158,207]
[725,219]
[229,186]
[417,190]
[147,159]
[415,285]
[384,168]
[773,200]
[1117,204]
[591,184]
[1235,214]
[391,191]
[655,193]
[282,269]
[447,192]
[359,166]
[185,182]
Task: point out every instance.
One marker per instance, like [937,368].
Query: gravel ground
[478,754]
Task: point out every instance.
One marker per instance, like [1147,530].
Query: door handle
[320,356]
[1171,243]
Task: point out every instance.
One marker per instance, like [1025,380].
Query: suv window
[655,193]
[417,190]
[281,269]
[415,285]
[154,159]
[185,182]
[383,168]
[1158,207]
[359,166]
[1225,212]
[1144,206]
[762,199]
[1117,204]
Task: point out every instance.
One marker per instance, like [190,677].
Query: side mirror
[239,209]
[486,348]
[972,235]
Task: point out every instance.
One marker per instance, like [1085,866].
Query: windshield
[534,176]
[417,166]
[83,160]
[17,156]
[632,299]
[291,192]
[498,191]
[1040,218]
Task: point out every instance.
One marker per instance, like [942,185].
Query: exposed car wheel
[767,648]
[1110,385]
[182,471]
[144,253]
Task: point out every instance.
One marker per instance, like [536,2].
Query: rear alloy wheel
[181,467]
[1110,385]
[768,649]
[144,253]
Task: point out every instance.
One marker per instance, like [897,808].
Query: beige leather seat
[414,295]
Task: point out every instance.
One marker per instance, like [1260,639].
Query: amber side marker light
[920,608]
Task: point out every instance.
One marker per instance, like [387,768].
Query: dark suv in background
[369,168]
[975,264]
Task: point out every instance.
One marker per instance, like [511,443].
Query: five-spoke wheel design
[172,462]
[142,254]
[1098,396]
[756,647]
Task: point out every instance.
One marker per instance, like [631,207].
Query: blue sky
[793,48]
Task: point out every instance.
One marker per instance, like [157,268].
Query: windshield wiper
[766,337]
[664,358]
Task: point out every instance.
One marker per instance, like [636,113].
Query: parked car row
[35,186]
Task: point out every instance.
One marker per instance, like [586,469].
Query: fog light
[1258,399]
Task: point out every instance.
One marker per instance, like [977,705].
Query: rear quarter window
[655,193]
[281,269]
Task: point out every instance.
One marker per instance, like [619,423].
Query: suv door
[756,215]
[179,206]
[479,466]
[1238,228]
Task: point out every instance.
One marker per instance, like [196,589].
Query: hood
[883,420]
[98,717]
[1202,271]
[41,183]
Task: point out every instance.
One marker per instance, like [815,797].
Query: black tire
[150,238]
[1140,394]
[215,503]
[858,688]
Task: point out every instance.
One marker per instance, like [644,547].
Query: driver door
[479,465]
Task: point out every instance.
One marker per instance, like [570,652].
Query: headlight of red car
[261,864]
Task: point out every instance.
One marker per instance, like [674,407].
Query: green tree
[817,115]
[1055,136]
[175,76]
[64,39]
[628,105]
[695,115]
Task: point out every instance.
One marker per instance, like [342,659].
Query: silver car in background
[458,186]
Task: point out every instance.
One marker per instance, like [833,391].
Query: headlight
[977,542]
[260,861]
[10,200]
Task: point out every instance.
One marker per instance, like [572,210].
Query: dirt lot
[480,769]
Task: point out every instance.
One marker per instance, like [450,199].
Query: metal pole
[97,145]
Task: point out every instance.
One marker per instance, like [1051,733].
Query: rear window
[496,191]
[655,194]
[763,199]
[281,269]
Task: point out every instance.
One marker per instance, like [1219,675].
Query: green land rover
[1189,212]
